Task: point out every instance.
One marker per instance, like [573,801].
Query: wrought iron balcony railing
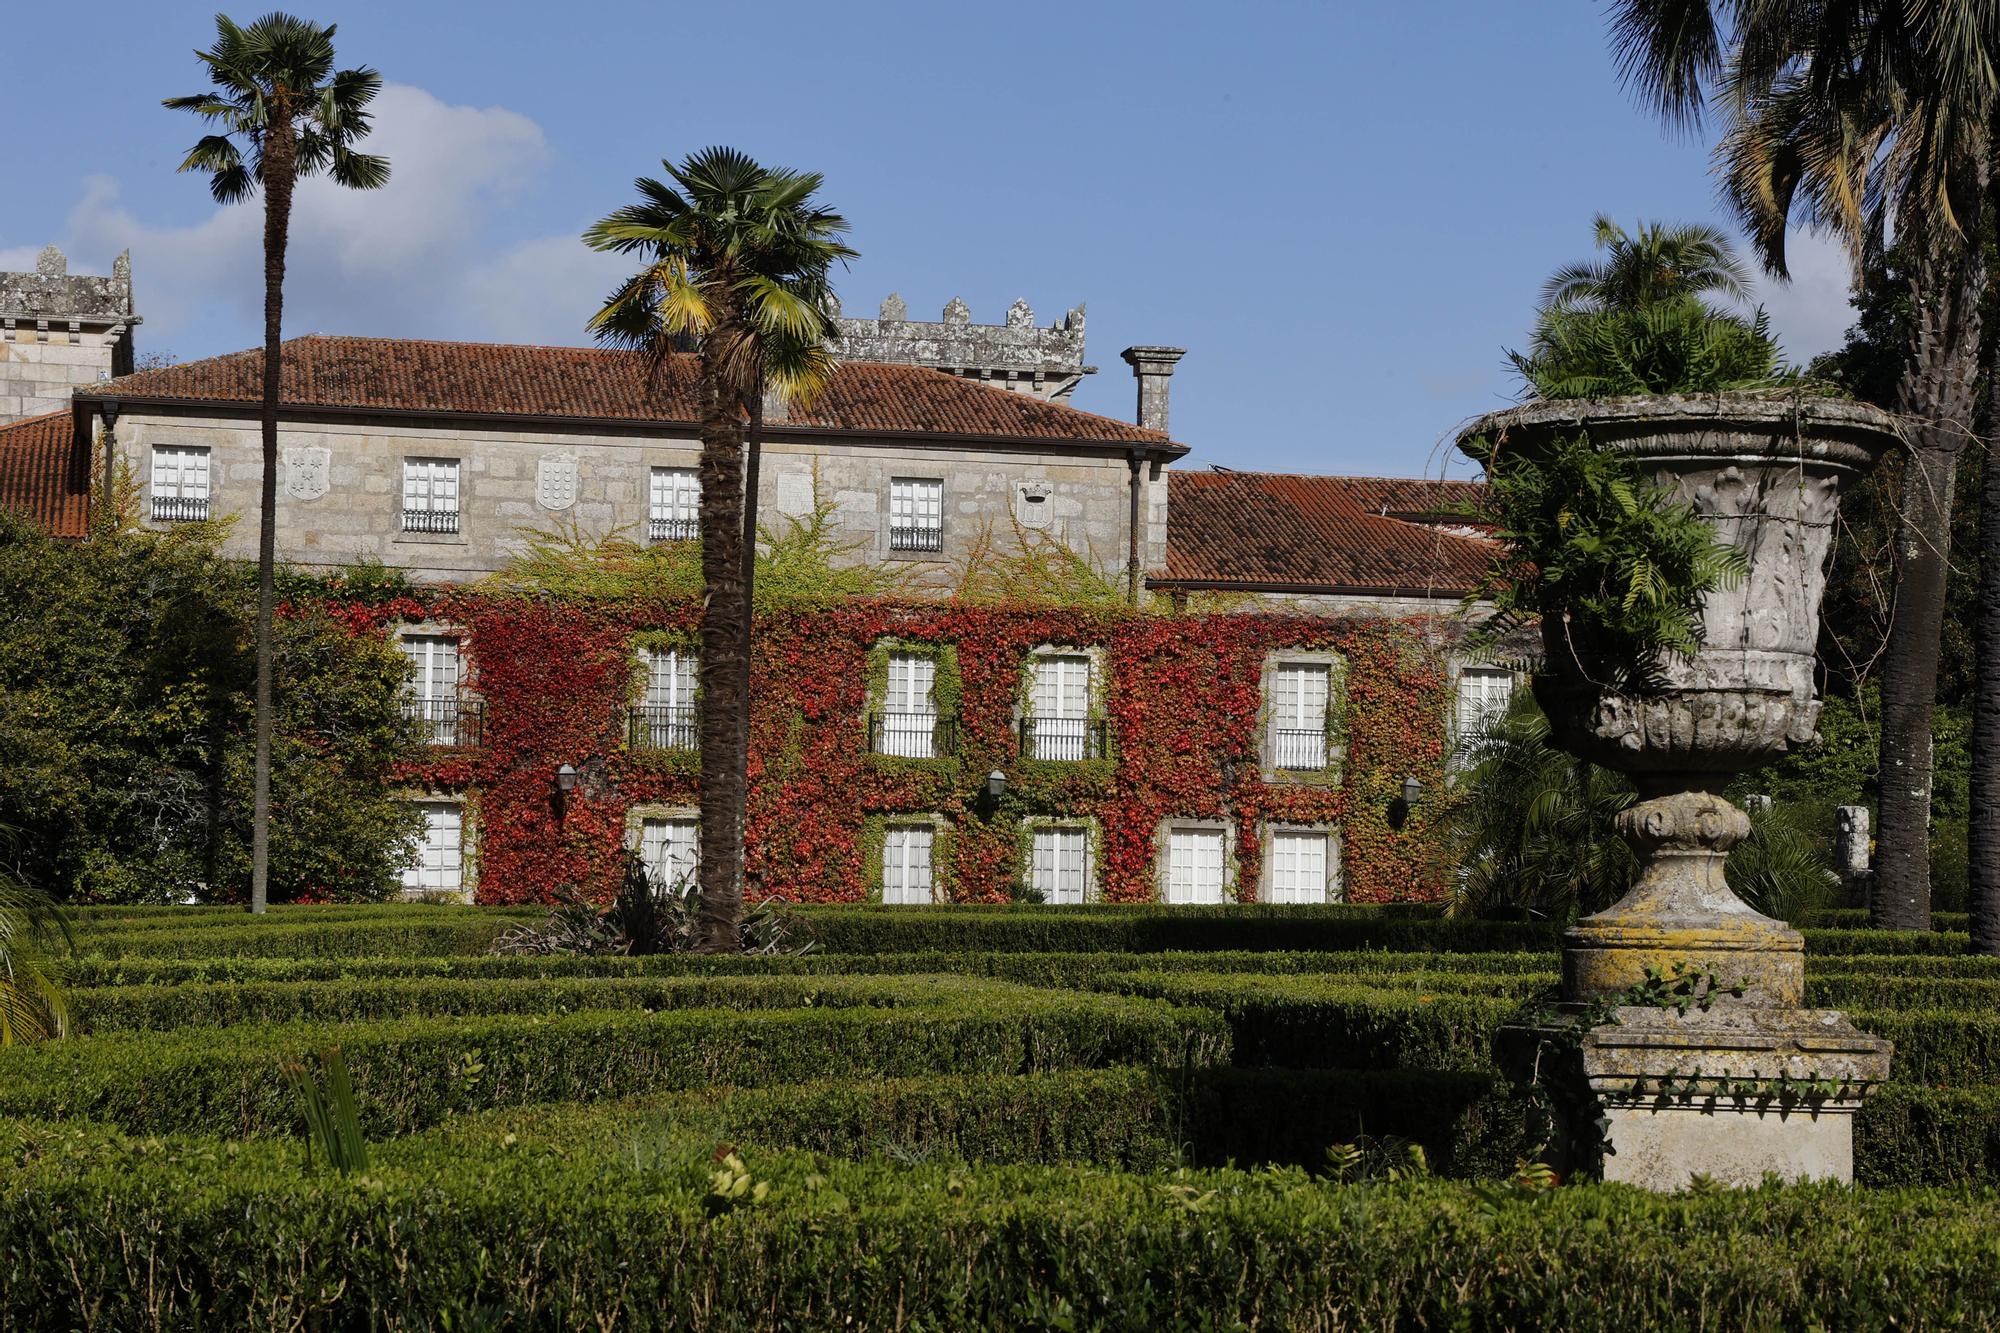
[672,529]
[430,520]
[916,537]
[913,735]
[447,722]
[1299,749]
[664,727]
[1064,737]
[180,508]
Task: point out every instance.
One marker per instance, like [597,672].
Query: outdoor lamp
[108,409]
[996,785]
[566,779]
[1411,790]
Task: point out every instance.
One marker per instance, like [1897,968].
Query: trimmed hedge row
[1133,1119]
[1038,969]
[101,1231]
[165,1008]
[1856,918]
[409,1073]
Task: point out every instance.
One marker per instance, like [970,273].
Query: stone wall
[60,330]
[340,495]
[1016,355]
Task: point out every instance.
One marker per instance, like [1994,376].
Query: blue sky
[1342,211]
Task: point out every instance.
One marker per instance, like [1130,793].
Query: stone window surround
[940,828]
[1336,702]
[395,531]
[1093,851]
[1163,853]
[1336,857]
[468,838]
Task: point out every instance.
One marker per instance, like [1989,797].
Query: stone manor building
[935,441]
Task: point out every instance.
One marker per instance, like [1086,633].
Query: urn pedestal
[1680,1047]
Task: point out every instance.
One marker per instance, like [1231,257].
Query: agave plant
[33,931]
[652,915]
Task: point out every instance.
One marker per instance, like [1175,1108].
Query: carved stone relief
[307,469]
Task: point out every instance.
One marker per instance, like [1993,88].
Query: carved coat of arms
[1032,506]
[306,471]
[555,481]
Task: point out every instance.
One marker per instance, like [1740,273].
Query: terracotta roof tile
[44,475]
[586,382]
[1320,534]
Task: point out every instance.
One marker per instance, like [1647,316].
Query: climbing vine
[1182,695]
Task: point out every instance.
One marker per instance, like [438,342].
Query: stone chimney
[1153,367]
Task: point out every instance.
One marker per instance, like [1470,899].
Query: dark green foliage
[453,1234]
[651,916]
[409,1073]
[1616,564]
[1678,345]
[125,672]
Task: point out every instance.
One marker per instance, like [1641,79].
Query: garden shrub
[102,1230]
[411,1072]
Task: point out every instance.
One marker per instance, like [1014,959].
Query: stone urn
[1765,472]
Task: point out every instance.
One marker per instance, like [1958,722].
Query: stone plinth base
[1655,1098]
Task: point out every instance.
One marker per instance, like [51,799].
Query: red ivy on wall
[1184,700]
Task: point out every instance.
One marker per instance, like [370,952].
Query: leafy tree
[1663,262]
[127,744]
[736,261]
[282,113]
[1863,119]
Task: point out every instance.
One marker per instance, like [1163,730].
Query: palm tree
[736,261]
[1658,264]
[277,93]
[1863,119]
[31,928]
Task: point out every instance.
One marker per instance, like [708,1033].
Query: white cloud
[1810,314]
[416,258]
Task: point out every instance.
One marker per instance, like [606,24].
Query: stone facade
[340,495]
[59,331]
[1016,355]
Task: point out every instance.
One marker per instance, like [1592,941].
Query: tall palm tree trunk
[725,665]
[1983,829]
[280,174]
[754,447]
[1938,393]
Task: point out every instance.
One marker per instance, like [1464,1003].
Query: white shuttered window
[909,711]
[675,512]
[1060,863]
[916,514]
[671,850]
[1298,715]
[906,863]
[1298,866]
[430,495]
[180,483]
[1194,865]
[1483,696]
[439,866]
[1059,707]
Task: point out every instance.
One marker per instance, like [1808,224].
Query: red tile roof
[1277,532]
[404,375]
[44,475]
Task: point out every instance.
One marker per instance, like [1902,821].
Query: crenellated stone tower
[60,330]
[1017,355]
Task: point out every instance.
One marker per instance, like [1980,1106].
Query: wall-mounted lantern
[1412,789]
[108,409]
[566,779]
[996,785]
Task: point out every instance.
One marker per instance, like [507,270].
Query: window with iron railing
[430,495]
[180,483]
[665,717]
[1296,739]
[665,727]
[448,721]
[1061,722]
[674,514]
[916,514]
[908,724]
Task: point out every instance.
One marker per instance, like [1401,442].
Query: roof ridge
[37,419]
[1213,471]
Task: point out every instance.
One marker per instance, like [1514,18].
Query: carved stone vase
[1737,1085]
